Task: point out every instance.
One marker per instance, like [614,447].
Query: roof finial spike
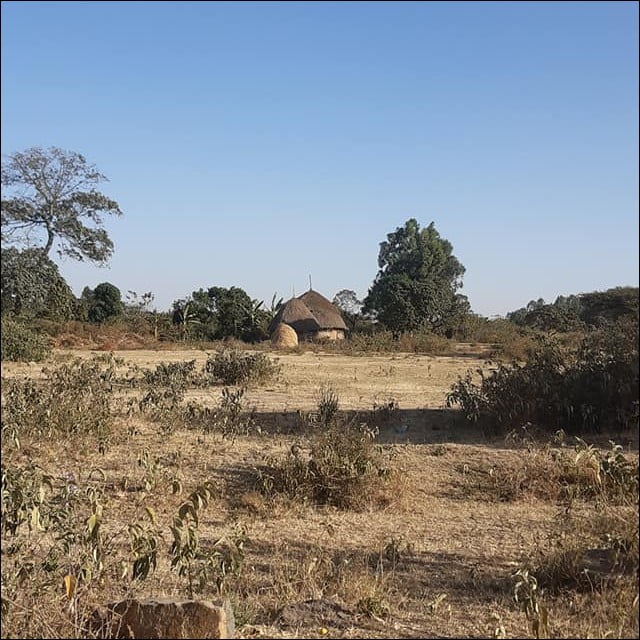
[310,287]
[293,290]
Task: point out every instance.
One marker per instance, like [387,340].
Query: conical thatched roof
[323,311]
[296,314]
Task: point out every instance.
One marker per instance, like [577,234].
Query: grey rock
[164,618]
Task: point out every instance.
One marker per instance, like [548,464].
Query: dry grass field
[434,558]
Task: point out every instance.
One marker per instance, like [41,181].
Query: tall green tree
[103,303]
[31,286]
[236,313]
[417,282]
[50,196]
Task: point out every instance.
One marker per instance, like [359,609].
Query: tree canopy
[102,303]
[31,286]
[350,306]
[347,301]
[417,282]
[219,312]
[568,313]
[52,193]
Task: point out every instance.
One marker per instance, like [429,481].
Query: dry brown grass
[434,562]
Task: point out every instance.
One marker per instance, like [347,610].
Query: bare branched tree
[52,193]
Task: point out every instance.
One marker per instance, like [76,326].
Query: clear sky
[253,144]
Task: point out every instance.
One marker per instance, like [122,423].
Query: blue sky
[253,144]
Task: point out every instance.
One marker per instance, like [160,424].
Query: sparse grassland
[329,477]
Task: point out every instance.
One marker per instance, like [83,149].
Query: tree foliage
[571,312]
[32,287]
[610,305]
[218,312]
[351,309]
[347,301]
[102,303]
[20,343]
[52,193]
[417,282]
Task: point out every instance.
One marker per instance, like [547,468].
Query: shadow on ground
[397,426]
[426,426]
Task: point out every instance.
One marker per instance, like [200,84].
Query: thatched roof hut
[296,314]
[312,316]
[323,311]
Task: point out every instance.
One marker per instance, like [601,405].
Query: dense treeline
[572,312]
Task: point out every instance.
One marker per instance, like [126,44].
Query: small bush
[21,343]
[342,468]
[328,404]
[230,418]
[171,374]
[231,367]
[73,399]
[162,405]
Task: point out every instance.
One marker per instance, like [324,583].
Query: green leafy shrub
[22,344]
[23,495]
[73,399]
[231,366]
[171,374]
[203,566]
[589,389]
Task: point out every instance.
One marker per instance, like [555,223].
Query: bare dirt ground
[455,553]
[414,381]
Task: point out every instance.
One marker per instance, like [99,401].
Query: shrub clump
[589,389]
[73,399]
[388,342]
[172,374]
[21,343]
[343,467]
[231,367]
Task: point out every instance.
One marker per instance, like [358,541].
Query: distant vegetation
[578,311]
[593,387]
[20,343]
[50,201]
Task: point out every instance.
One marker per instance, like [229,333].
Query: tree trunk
[50,237]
